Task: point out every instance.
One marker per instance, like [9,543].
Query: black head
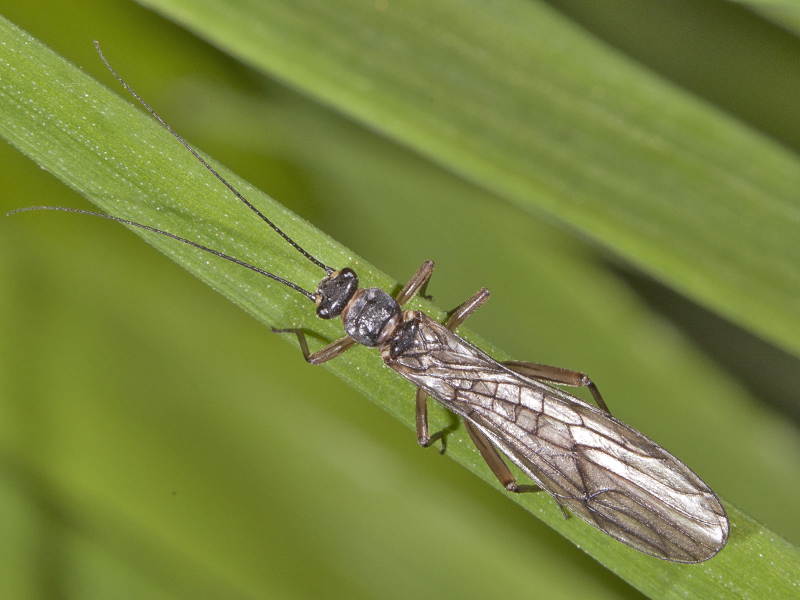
[334,292]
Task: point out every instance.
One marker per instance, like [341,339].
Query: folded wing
[599,468]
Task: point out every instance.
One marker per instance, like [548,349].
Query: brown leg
[423,432]
[498,465]
[417,282]
[459,316]
[465,310]
[549,374]
[424,437]
[492,457]
[323,355]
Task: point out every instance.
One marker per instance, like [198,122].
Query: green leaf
[120,159]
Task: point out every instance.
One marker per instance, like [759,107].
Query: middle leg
[459,315]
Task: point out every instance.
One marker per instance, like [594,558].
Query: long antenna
[328,270]
[294,286]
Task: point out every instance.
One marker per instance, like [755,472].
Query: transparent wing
[601,469]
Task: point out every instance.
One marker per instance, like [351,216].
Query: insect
[592,464]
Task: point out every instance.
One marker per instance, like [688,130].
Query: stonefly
[592,464]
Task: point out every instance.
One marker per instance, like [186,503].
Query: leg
[459,315]
[498,465]
[420,279]
[492,457]
[325,354]
[424,437]
[465,310]
[417,282]
[549,374]
[533,488]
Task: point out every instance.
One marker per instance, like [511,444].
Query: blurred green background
[157,442]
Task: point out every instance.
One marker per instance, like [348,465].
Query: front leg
[417,283]
[465,310]
[330,351]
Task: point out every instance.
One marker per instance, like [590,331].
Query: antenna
[294,286]
[328,270]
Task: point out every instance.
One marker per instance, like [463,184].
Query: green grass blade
[116,156]
[524,103]
[783,12]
